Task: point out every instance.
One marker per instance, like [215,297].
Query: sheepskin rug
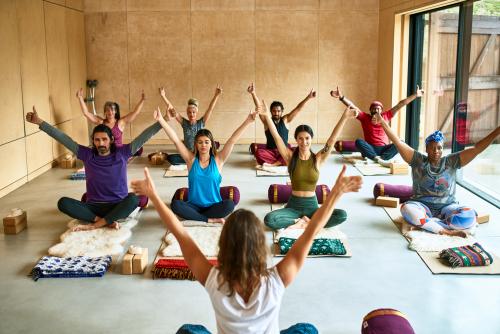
[325,233]
[94,243]
[206,237]
[422,241]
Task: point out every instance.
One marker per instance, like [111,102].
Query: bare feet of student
[114,225]
[216,220]
[300,223]
[83,227]
[453,233]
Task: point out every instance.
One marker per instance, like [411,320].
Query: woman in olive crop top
[303,167]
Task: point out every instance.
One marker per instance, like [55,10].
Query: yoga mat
[175,173]
[431,259]
[269,171]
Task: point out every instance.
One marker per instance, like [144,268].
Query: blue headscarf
[436,136]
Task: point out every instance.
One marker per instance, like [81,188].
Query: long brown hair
[242,252]
[295,155]
[205,133]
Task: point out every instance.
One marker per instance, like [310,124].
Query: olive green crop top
[305,176]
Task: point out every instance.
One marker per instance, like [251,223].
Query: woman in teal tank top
[303,167]
[204,178]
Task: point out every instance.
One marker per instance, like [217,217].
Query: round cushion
[345,146]
[143,200]
[280,193]
[403,192]
[228,192]
[386,321]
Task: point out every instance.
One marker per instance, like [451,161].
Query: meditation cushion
[228,192]
[402,192]
[386,321]
[345,146]
[280,193]
[143,200]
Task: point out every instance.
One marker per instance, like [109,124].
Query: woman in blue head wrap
[433,205]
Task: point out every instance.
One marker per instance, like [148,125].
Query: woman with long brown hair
[245,294]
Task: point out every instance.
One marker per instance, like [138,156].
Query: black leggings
[193,212]
[87,212]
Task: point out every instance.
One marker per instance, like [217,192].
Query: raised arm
[55,133]
[292,114]
[469,154]
[195,259]
[293,261]
[322,155]
[131,116]
[229,145]
[170,106]
[282,147]
[337,94]
[211,106]
[145,135]
[409,99]
[85,111]
[186,154]
[403,148]
[256,102]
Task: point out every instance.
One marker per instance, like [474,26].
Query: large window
[455,56]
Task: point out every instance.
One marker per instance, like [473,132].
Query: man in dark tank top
[268,153]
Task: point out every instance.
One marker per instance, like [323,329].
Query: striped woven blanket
[175,269]
[466,256]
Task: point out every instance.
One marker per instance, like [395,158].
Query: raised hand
[143,96]
[162,91]
[32,117]
[144,187]
[377,118]
[351,112]
[79,93]
[346,184]
[251,88]
[157,115]
[312,94]
[419,92]
[336,93]
[218,90]
[172,113]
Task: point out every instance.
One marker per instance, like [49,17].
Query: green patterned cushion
[319,246]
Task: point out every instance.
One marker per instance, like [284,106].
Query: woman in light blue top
[204,166]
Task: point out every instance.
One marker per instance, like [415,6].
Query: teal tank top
[204,184]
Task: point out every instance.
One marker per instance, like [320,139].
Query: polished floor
[332,293]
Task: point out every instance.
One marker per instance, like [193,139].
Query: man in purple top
[105,165]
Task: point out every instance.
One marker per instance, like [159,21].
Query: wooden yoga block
[391,202]
[15,224]
[399,168]
[135,264]
[68,161]
[127,264]
[140,262]
[482,218]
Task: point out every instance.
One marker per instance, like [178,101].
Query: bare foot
[114,225]
[83,227]
[216,220]
[300,223]
[453,233]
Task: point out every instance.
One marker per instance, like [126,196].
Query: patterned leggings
[451,217]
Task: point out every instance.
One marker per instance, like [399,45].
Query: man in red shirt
[376,145]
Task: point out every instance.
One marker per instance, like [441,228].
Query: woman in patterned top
[433,205]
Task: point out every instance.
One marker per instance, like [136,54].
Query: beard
[102,149]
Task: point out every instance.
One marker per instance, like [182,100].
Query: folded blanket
[175,269]
[77,176]
[78,266]
[466,256]
[320,246]
[177,167]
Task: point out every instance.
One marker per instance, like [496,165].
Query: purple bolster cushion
[229,192]
[280,193]
[403,192]
[345,146]
[143,200]
[254,147]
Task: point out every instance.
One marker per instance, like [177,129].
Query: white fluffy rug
[206,237]
[422,241]
[93,243]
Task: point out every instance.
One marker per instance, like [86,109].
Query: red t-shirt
[375,134]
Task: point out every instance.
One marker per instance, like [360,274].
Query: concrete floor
[332,293]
